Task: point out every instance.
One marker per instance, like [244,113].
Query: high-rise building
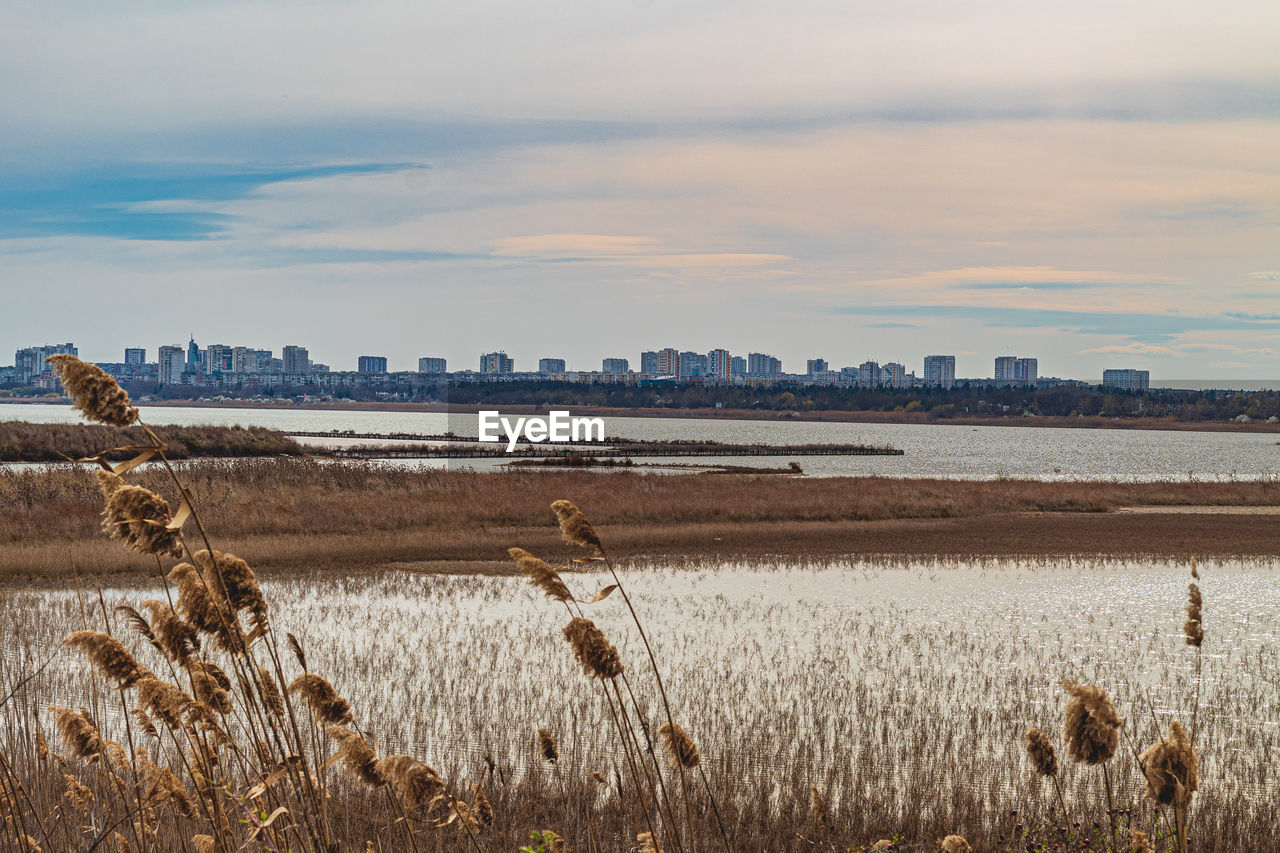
[816,365]
[245,359]
[1026,371]
[297,360]
[431,365]
[615,365]
[195,358]
[371,364]
[219,358]
[135,355]
[763,366]
[718,364]
[1126,380]
[893,375]
[170,365]
[1011,370]
[693,365]
[869,374]
[667,362]
[496,362]
[737,366]
[29,362]
[940,370]
[551,365]
[649,362]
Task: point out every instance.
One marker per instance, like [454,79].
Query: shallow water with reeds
[904,687]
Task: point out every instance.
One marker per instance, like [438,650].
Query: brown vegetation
[27,442]
[299,512]
[234,763]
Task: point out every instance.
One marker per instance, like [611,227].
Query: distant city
[242,368]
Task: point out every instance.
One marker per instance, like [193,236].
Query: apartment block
[371,364]
[551,365]
[940,371]
[431,365]
[1127,379]
[614,365]
[496,362]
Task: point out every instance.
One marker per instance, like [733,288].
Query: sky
[1095,184]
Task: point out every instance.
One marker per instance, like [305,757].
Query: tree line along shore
[298,515]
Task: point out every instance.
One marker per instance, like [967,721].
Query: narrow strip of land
[297,515]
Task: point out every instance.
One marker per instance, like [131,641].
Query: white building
[940,370]
[1127,379]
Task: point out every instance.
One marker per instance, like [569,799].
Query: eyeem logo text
[558,427]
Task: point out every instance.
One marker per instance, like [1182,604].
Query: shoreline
[823,416]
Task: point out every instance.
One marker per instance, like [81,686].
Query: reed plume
[1172,768]
[1091,725]
[163,787]
[270,692]
[162,701]
[418,784]
[176,639]
[138,517]
[78,732]
[681,749]
[574,527]
[194,602]
[818,808]
[204,843]
[648,844]
[325,703]
[211,685]
[1193,627]
[547,746]
[1139,843]
[596,654]
[480,805]
[1041,752]
[955,844]
[541,575]
[98,397]
[107,654]
[79,796]
[232,582]
[358,755]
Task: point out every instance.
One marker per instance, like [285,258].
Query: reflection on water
[931,450]
[860,674]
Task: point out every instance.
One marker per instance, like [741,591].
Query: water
[953,659]
[931,450]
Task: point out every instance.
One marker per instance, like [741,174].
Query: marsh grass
[850,729]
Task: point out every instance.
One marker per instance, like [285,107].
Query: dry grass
[299,514]
[28,442]
[207,749]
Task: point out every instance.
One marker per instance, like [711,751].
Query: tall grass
[214,747]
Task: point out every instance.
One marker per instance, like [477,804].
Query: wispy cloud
[132,202]
[1135,348]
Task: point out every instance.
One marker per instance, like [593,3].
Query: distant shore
[828,416]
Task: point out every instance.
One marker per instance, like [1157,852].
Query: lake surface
[870,673]
[931,450]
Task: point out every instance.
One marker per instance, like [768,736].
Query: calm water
[931,450]
[955,658]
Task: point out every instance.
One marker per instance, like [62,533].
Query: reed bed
[293,514]
[27,442]
[207,724]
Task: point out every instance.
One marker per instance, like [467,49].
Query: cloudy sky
[1093,183]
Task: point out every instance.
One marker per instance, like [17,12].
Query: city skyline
[718,363]
[1092,181]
